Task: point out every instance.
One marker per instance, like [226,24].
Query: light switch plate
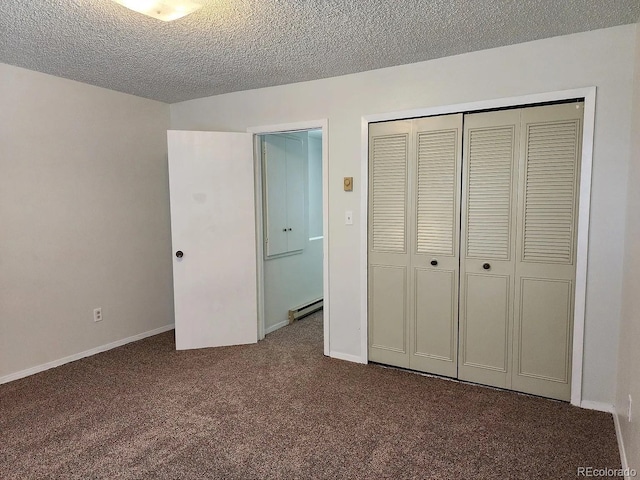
[348,217]
[348,184]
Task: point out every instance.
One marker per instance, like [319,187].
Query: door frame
[322,124]
[582,248]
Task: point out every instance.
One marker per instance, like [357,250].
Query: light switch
[348,217]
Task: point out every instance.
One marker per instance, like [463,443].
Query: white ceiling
[232,45]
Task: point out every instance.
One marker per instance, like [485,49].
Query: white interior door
[213,233]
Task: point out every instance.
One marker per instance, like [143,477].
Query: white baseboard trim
[87,353]
[275,327]
[599,406]
[608,408]
[346,357]
[623,452]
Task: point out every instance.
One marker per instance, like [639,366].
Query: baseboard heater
[305,309]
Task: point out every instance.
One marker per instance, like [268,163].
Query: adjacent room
[291,215]
[277,239]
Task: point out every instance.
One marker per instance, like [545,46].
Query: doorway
[291,225]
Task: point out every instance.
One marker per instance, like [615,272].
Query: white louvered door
[545,258]
[389,186]
[487,257]
[414,207]
[472,237]
[434,254]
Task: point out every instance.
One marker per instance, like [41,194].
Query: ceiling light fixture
[165,10]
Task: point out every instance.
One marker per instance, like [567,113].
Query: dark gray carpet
[279,409]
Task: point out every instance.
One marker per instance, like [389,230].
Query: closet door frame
[588,95]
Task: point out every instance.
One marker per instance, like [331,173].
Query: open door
[213,234]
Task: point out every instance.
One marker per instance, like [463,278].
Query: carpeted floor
[279,409]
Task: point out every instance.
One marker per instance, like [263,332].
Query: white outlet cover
[348,217]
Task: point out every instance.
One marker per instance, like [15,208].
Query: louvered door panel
[545,266]
[550,187]
[435,235]
[491,152]
[389,192]
[437,192]
[487,260]
[388,256]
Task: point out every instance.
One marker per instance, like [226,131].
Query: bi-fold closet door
[477,213]
[414,231]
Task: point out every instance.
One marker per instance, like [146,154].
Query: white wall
[629,356]
[84,218]
[291,281]
[295,279]
[603,58]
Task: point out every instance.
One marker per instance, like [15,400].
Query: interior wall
[602,58]
[629,356]
[295,279]
[85,219]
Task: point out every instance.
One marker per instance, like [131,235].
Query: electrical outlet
[97,314]
[629,411]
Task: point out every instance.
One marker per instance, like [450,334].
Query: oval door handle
[179,254]
[434,262]
[486,266]
[290,229]
[284,229]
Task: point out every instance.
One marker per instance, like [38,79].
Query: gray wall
[602,58]
[629,357]
[84,215]
[292,280]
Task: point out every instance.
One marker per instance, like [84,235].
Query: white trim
[364,240]
[313,239]
[326,313]
[87,353]
[582,248]
[599,406]
[623,452]
[346,357]
[257,180]
[589,95]
[275,327]
[291,127]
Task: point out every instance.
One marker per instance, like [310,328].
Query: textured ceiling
[232,45]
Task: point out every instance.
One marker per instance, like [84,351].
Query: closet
[472,232]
